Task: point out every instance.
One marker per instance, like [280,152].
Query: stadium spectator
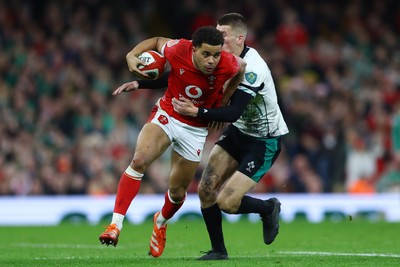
[291,33]
[395,134]
[390,180]
[303,178]
[361,165]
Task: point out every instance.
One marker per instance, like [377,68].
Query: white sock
[161,221]
[118,220]
[134,174]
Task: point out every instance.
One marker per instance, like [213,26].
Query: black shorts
[254,155]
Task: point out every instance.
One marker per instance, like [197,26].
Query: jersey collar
[245,49]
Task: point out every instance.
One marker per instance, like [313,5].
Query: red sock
[126,192]
[170,208]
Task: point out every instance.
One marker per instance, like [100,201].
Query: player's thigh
[181,175]
[151,144]
[233,191]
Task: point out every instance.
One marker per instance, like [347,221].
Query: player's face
[207,57]
[230,38]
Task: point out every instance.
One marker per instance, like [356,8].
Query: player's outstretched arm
[160,83]
[126,87]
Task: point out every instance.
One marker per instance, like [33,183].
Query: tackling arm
[230,113]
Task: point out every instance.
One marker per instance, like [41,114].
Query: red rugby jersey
[185,80]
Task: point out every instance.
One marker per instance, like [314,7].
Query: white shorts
[188,141]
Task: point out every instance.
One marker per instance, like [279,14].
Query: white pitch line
[320,253]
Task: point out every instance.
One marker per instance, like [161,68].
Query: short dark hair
[234,20]
[207,35]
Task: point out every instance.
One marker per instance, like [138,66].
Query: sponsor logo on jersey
[198,152]
[193,91]
[251,77]
[181,71]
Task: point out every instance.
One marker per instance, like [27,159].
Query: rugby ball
[156,64]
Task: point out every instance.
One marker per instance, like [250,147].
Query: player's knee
[228,205]
[206,194]
[177,195]
[139,162]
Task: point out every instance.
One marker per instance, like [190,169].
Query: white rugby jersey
[262,116]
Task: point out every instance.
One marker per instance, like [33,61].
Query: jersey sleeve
[254,78]
[169,50]
[230,113]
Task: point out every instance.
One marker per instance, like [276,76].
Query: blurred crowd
[336,66]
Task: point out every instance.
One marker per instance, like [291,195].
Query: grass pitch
[344,243]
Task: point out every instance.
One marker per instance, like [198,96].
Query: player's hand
[185,107]
[216,125]
[126,87]
[134,63]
